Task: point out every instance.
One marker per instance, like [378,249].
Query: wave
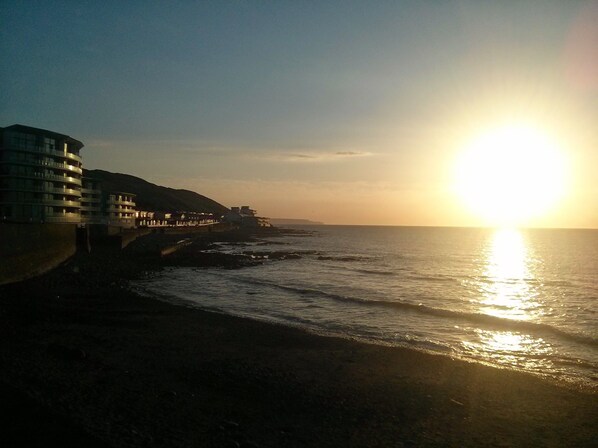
[575,362]
[347,258]
[475,318]
[400,272]
[434,278]
[517,280]
[279,254]
[373,272]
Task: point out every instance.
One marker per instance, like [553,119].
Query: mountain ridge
[154,197]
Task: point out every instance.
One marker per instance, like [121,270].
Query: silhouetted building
[120,209]
[245,216]
[106,207]
[178,219]
[40,176]
[91,202]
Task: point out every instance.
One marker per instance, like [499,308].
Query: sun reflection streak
[506,289]
[512,348]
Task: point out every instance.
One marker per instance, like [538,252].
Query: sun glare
[510,175]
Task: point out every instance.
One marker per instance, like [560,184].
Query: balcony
[22,189]
[43,176]
[120,202]
[91,208]
[64,218]
[129,211]
[61,203]
[63,179]
[40,150]
[65,191]
[62,166]
[91,191]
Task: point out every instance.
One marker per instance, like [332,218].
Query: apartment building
[106,207]
[40,176]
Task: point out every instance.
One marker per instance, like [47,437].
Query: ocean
[517,299]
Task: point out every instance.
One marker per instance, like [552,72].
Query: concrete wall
[27,250]
[112,237]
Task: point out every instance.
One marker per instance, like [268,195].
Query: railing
[121,202]
[22,175]
[70,218]
[62,166]
[22,189]
[60,203]
[121,211]
[67,191]
[93,219]
[91,190]
[43,176]
[64,179]
[40,150]
[91,208]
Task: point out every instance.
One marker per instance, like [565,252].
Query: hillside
[155,197]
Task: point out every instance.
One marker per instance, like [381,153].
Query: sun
[510,175]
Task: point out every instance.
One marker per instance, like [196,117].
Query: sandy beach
[86,362]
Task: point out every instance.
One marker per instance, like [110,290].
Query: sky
[335,111]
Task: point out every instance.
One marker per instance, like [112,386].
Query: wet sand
[85,362]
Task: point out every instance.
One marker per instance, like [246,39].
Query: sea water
[519,299]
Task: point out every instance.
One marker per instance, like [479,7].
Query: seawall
[27,250]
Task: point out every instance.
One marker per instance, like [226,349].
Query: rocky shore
[86,362]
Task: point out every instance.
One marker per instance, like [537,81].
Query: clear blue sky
[300,109]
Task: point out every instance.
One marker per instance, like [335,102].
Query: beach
[87,362]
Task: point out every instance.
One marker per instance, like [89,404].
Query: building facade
[178,219]
[91,202]
[40,176]
[245,216]
[107,208]
[120,209]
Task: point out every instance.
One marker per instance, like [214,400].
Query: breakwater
[28,250]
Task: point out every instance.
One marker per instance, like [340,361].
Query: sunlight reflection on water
[512,348]
[508,291]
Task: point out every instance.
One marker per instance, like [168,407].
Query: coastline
[118,369]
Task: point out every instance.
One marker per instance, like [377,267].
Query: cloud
[233,150]
[302,156]
[350,153]
[321,156]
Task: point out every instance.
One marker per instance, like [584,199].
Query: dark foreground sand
[86,363]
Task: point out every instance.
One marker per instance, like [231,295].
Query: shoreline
[127,370]
[576,384]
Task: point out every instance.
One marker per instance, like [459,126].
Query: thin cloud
[302,156]
[350,153]
[322,156]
